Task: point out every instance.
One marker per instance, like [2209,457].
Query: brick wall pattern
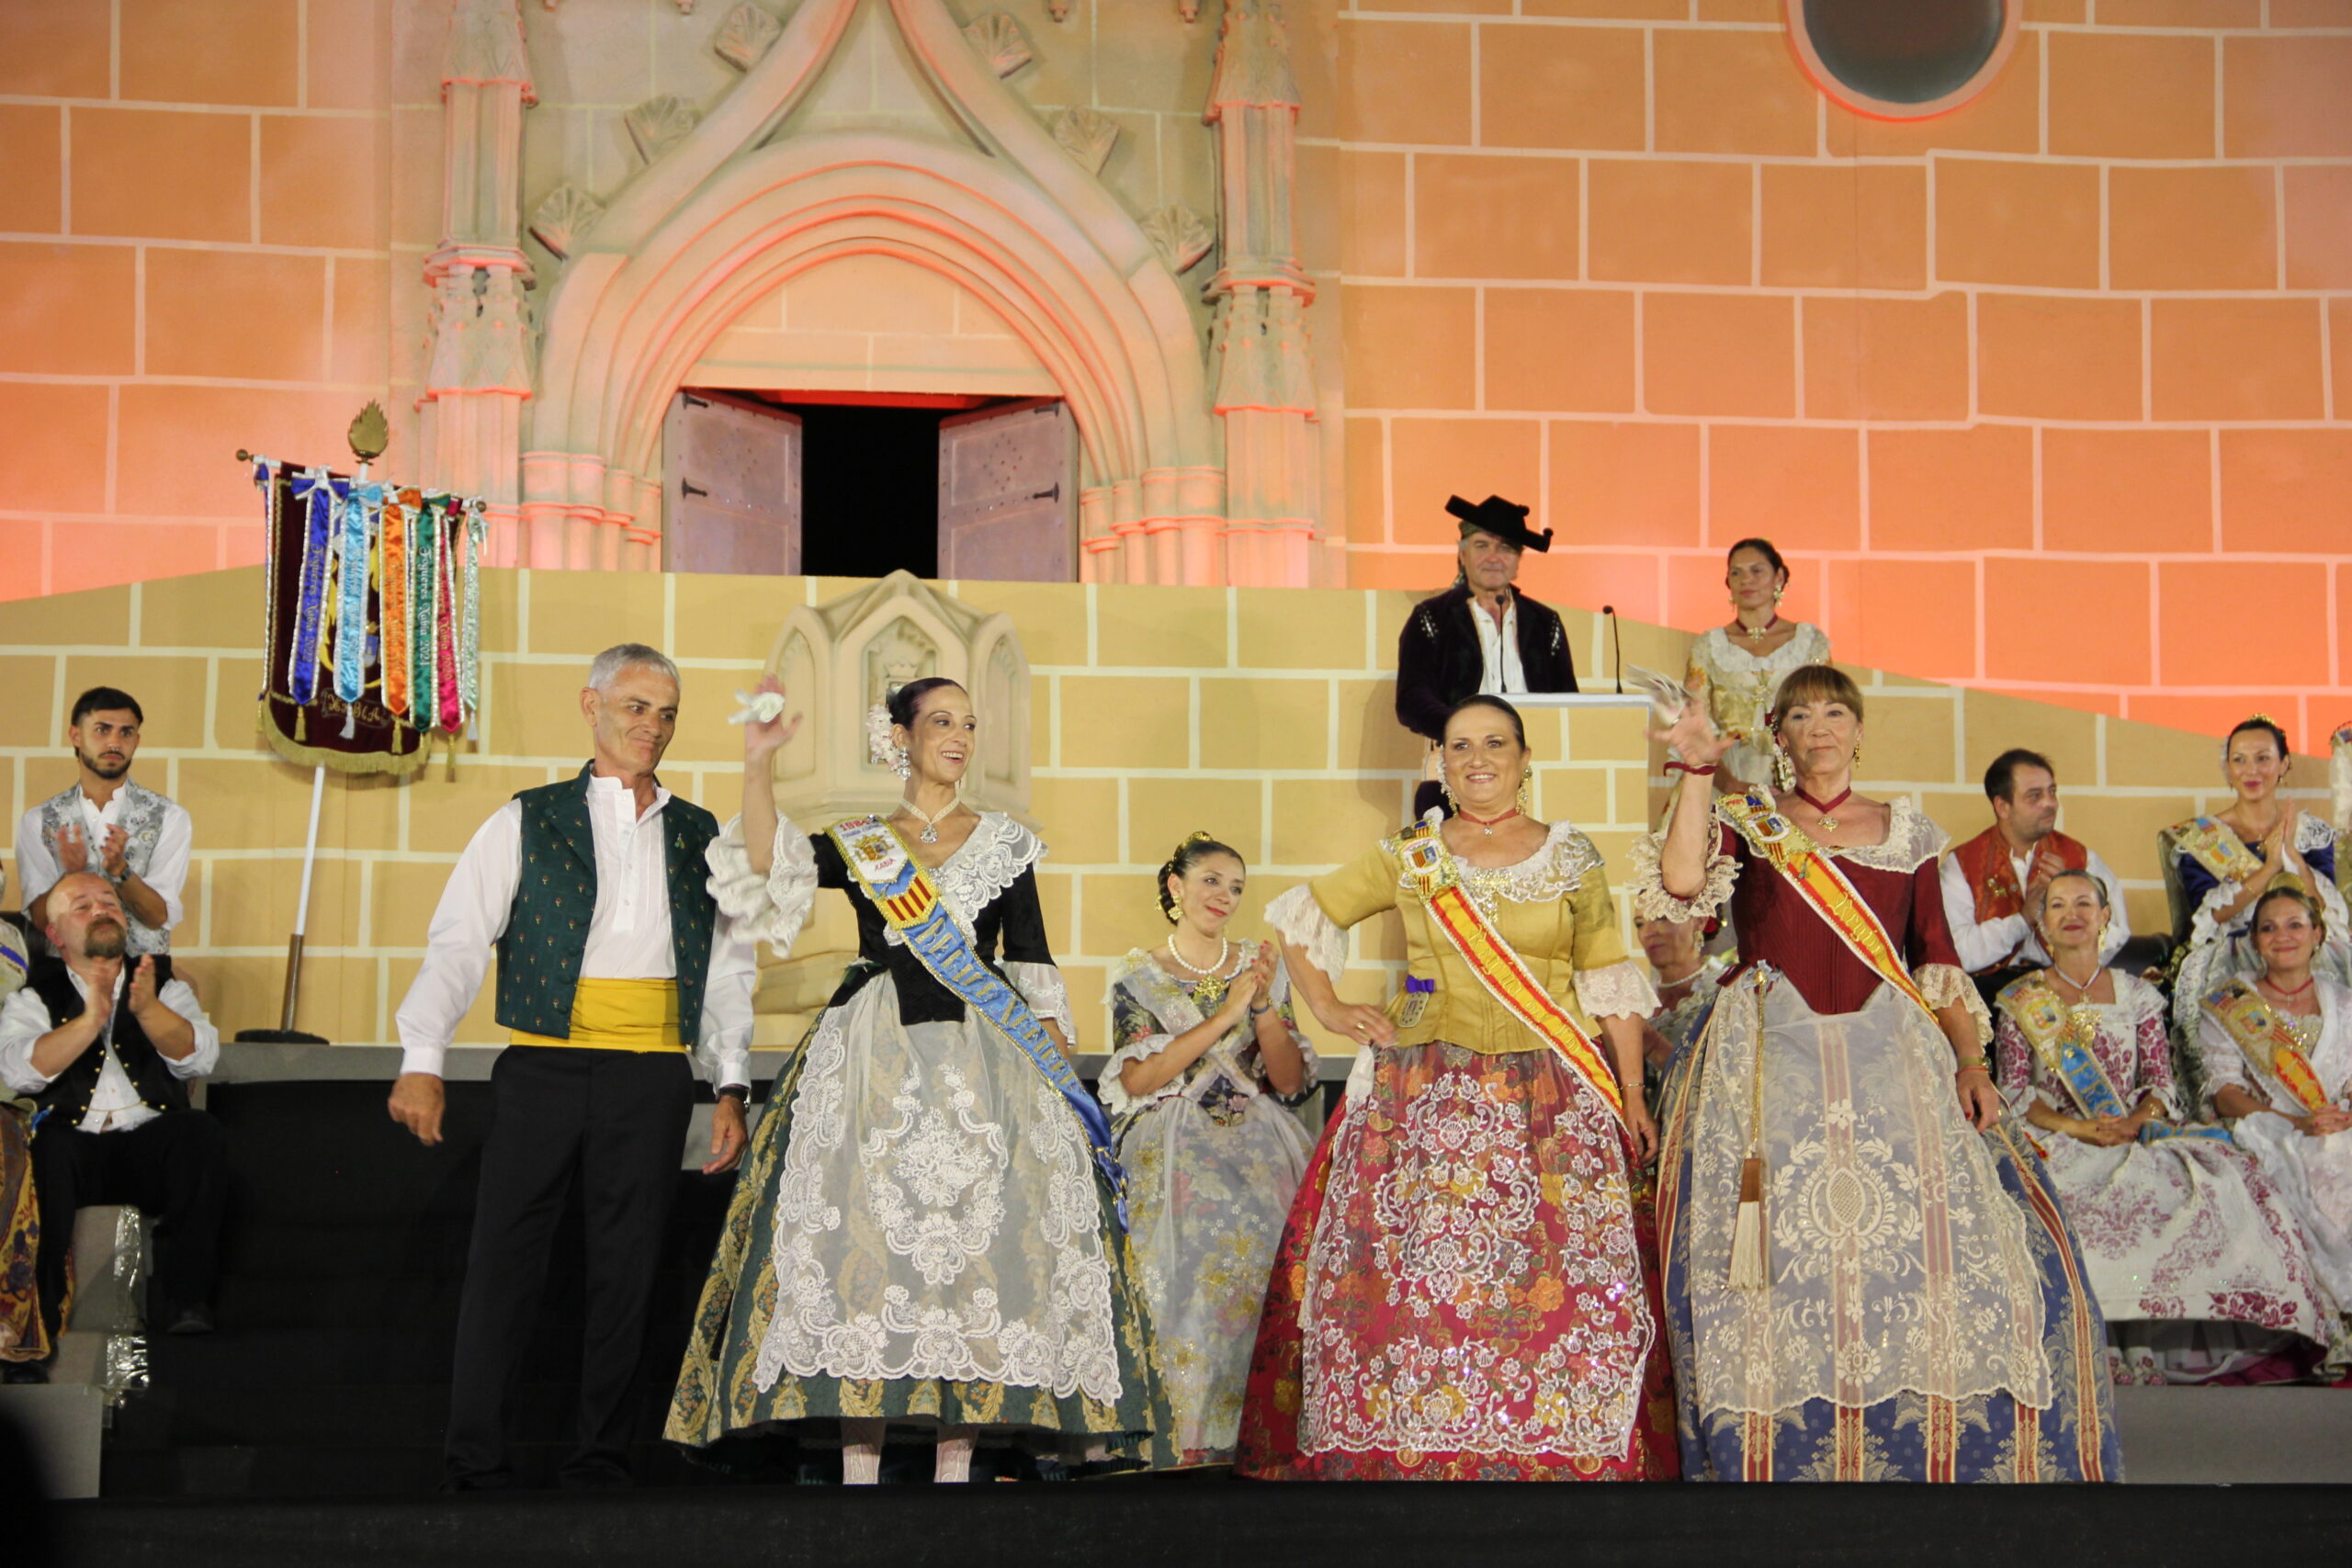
[1265,716]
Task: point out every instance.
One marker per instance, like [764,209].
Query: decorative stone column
[1258,350]
[479,372]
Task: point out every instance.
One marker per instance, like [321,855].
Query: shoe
[24,1373]
[192,1319]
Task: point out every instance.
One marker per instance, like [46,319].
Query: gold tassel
[1747,1270]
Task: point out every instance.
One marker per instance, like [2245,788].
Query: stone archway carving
[722,212]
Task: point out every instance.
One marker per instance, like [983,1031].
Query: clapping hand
[142,987]
[72,850]
[115,855]
[1256,980]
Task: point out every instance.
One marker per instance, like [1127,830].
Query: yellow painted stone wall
[1262,715]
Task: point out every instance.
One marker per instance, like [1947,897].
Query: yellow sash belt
[616,1015]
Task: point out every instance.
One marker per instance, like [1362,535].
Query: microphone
[1616,646]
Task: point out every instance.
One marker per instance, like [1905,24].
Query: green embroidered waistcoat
[555,895]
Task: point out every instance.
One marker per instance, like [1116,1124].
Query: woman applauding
[926,1238]
[1204,1069]
[2276,1048]
[1867,1276]
[2177,1224]
[1462,1291]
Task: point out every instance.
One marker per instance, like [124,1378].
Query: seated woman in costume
[1688,980]
[2220,864]
[1205,1068]
[24,1337]
[1867,1275]
[2276,1048]
[2180,1229]
[1465,1287]
[925,1237]
[1739,665]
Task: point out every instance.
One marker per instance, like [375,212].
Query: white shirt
[114,1104]
[166,873]
[628,934]
[1498,647]
[1983,945]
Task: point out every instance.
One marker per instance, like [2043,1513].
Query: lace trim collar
[1911,841]
[1556,868]
[1799,649]
[983,868]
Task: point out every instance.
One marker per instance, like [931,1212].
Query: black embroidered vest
[555,896]
[69,1097]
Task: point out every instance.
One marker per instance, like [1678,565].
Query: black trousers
[617,1119]
[173,1169]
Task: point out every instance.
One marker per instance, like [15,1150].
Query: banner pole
[302,900]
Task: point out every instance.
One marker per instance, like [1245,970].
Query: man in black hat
[1481,635]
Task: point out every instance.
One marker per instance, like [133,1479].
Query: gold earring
[1445,787]
[1776,595]
[1784,772]
[1858,751]
[1526,803]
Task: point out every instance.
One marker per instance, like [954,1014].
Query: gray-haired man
[615,969]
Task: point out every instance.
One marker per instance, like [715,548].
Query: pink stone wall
[2052,395]
[193,259]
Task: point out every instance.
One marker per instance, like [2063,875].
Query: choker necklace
[1757,633]
[2308,981]
[1488,824]
[2081,988]
[1826,807]
[930,834]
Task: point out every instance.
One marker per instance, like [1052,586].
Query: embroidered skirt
[22,1336]
[1463,1290]
[919,1235]
[1925,1268]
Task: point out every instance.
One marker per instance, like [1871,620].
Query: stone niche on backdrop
[837,662]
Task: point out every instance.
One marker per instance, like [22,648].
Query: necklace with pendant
[1757,633]
[1826,807]
[1487,823]
[1208,984]
[930,834]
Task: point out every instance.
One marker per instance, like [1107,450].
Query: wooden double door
[733,471]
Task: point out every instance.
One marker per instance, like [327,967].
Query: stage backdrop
[1262,715]
[2050,395]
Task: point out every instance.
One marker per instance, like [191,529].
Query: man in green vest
[617,979]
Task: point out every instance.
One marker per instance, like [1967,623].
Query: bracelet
[1674,766]
[1262,1011]
[1972,1065]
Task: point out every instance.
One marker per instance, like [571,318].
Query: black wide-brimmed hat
[1505,520]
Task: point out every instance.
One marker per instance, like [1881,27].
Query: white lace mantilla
[934,1219]
[770,908]
[1617,990]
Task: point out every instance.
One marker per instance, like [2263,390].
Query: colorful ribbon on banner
[374,616]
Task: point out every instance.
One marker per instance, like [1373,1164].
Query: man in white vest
[124,831]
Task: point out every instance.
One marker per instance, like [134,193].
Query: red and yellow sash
[2262,1035]
[1430,872]
[1777,841]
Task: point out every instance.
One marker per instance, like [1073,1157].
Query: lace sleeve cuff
[770,908]
[2203,926]
[1616,990]
[1297,919]
[1648,883]
[1112,1090]
[1944,983]
[1043,987]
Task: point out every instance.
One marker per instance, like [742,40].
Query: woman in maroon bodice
[1867,1277]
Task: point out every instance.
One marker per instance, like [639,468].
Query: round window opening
[1903,58]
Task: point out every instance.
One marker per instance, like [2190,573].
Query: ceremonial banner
[374,619]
